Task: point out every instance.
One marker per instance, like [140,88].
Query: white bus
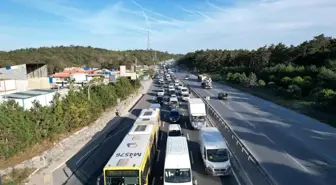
[214,151]
[131,162]
[177,167]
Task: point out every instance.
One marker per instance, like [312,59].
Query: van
[174,130]
[177,167]
[214,152]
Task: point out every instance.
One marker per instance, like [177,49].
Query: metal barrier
[220,123]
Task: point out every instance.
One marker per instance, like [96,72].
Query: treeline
[60,57]
[20,129]
[306,71]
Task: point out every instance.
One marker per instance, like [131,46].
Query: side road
[64,150]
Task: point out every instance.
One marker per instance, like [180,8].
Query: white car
[171,90]
[174,130]
[160,92]
[184,91]
[185,97]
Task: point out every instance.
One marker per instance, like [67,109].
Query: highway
[292,148]
[195,157]
[86,166]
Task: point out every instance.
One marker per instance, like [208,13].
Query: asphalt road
[292,148]
[195,157]
[87,165]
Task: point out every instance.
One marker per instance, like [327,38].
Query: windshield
[160,90]
[185,95]
[177,175]
[184,90]
[174,133]
[198,118]
[173,102]
[217,155]
[174,114]
[125,177]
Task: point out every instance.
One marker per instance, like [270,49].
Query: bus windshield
[217,155]
[198,118]
[177,175]
[125,177]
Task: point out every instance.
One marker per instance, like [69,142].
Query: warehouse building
[26,98]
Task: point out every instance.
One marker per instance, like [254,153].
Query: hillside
[59,57]
[300,77]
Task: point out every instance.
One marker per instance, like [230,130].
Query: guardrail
[220,123]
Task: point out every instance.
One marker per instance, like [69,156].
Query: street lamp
[89,89]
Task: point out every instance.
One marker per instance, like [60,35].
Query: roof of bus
[149,113]
[177,153]
[132,149]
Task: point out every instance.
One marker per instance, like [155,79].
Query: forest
[305,73]
[60,57]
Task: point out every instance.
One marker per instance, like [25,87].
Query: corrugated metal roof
[28,94]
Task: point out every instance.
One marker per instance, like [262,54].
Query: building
[26,98]
[23,77]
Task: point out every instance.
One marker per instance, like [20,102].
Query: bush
[261,83]
[294,91]
[285,81]
[21,128]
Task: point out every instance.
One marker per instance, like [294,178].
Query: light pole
[89,90]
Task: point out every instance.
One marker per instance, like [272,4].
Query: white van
[174,130]
[214,152]
[177,167]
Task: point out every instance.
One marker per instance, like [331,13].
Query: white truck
[197,113]
[214,152]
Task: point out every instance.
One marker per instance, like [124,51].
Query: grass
[300,106]
[17,176]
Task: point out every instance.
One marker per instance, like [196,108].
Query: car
[173,102]
[223,96]
[186,77]
[174,130]
[160,92]
[184,91]
[174,116]
[173,96]
[159,100]
[185,97]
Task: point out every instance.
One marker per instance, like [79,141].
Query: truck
[201,77]
[207,83]
[197,113]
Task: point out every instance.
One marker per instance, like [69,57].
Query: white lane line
[153,181]
[185,124]
[86,154]
[163,124]
[158,156]
[191,157]
[303,167]
[188,136]
[161,136]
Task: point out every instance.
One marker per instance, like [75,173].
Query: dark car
[159,100]
[223,96]
[174,116]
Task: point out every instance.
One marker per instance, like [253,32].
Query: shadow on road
[87,165]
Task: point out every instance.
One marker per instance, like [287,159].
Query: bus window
[122,177]
[177,175]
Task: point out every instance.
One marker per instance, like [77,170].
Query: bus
[152,117]
[152,112]
[177,166]
[131,163]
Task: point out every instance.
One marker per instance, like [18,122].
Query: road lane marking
[163,124]
[153,181]
[158,156]
[161,136]
[86,154]
[303,167]
[188,136]
[185,124]
[191,157]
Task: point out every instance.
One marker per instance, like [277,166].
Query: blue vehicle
[174,116]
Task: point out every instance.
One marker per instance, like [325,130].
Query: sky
[177,26]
